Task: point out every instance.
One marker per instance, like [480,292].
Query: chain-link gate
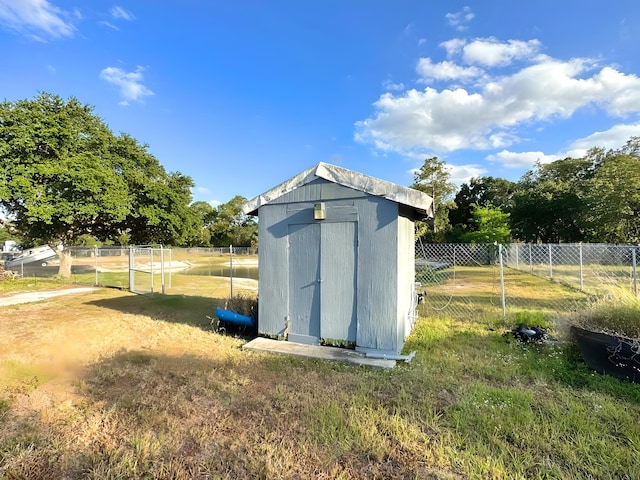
[148,269]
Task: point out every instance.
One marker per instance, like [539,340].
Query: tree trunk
[65,262]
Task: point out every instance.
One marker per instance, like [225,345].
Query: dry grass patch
[113,385]
[102,390]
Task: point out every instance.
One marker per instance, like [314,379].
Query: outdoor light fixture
[319,213]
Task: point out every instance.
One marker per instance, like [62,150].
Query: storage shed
[336,259]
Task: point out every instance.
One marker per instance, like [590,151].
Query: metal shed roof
[419,201]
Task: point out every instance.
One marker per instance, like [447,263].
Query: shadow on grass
[227,416]
[190,310]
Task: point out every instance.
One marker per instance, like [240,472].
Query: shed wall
[384,260]
[377,275]
[406,275]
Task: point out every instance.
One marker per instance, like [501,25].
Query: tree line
[67,179]
[590,199]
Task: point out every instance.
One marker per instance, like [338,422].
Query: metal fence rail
[462,281]
[467,281]
[592,268]
[141,269]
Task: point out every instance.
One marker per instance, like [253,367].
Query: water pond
[223,271]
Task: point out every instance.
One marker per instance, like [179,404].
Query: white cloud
[391,86]
[521,159]
[459,20]
[445,71]
[119,12]
[623,90]
[37,19]
[610,139]
[490,52]
[110,25]
[464,173]
[129,84]
[453,46]
[498,108]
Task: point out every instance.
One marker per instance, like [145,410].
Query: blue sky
[242,95]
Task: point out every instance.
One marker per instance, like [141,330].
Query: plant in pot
[608,335]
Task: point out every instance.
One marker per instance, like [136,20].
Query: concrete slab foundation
[335,354]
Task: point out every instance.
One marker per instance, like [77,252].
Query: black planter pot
[610,354]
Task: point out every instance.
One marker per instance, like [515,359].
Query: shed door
[322,282]
[304,276]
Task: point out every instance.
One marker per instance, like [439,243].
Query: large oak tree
[64,174]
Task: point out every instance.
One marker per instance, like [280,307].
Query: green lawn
[114,385]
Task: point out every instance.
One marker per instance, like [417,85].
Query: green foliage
[548,205]
[87,240]
[334,342]
[482,191]
[491,226]
[229,226]
[201,215]
[595,199]
[6,234]
[159,201]
[65,177]
[613,199]
[57,174]
[433,178]
[531,319]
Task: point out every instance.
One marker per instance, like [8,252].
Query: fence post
[581,277]
[230,272]
[517,258]
[95,257]
[504,306]
[530,262]
[162,267]
[170,265]
[131,278]
[550,263]
[151,266]
[635,274]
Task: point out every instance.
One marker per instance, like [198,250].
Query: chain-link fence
[469,281]
[592,268]
[106,266]
[141,269]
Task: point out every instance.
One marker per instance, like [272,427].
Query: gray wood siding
[377,274]
[304,283]
[319,190]
[406,276]
[362,259]
[273,276]
[338,276]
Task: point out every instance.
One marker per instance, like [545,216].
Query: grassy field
[110,385]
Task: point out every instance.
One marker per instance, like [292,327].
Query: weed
[616,313]
[531,319]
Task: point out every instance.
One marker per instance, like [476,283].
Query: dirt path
[27,297]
